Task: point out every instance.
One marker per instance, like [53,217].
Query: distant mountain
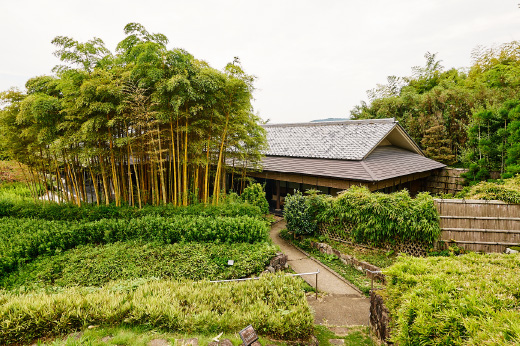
[329,119]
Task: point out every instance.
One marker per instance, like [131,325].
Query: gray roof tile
[384,162]
[344,140]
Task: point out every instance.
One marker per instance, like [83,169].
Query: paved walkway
[343,305]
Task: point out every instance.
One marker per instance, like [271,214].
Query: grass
[348,272]
[358,336]
[138,336]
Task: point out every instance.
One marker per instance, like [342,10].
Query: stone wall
[449,180]
[350,260]
[379,316]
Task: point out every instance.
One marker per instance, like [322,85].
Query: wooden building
[332,156]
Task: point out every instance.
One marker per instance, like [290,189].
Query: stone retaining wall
[350,260]
[379,316]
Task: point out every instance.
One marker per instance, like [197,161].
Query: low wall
[449,180]
[379,316]
[479,225]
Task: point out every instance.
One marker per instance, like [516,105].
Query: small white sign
[230,262]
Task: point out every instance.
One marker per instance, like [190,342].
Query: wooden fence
[477,225]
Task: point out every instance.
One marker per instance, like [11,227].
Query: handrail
[256,278]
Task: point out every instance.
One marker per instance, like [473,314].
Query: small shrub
[297,213]
[254,194]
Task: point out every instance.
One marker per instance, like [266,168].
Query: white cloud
[313,59]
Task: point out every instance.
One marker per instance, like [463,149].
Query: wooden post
[277,194]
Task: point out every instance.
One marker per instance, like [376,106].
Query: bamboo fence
[478,225]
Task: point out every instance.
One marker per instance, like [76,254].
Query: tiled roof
[384,162]
[343,140]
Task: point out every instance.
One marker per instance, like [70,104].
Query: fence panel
[477,225]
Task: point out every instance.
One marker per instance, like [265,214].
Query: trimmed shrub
[91,265]
[87,212]
[22,240]
[254,194]
[298,214]
[460,300]
[275,305]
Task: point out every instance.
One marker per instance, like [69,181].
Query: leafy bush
[507,190]
[71,212]
[274,305]
[22,240]
[91,265]
[298,214]
[254,194]
[365,217]
[464,300]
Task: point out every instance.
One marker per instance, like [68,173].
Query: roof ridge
[341,122]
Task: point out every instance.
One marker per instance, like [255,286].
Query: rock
[186,342]
[225,342]
[92,327]
[337,342]
[270,269]
[107,338]
[158,342]
[508,250]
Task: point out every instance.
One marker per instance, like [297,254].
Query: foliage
[464,300]
[350,273]
[298,214]
[143,125]
[140,336]
[466,116]
[275,305]
[23,240]
[96,265]
[16,201]
[378,219]
[254,194]
[507,190]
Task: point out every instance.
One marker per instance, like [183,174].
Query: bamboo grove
[143,125]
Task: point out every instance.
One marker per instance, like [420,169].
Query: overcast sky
[312,59]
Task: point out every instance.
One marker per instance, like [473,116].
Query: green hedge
[87,212]
[22,240]
[374,218]
[274,305]
[465,300]
[96,265]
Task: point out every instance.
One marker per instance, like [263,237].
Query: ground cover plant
[470,299]
[356,277]
[506,190]
[23,240]
[274,304]
[361,216]
[96,265]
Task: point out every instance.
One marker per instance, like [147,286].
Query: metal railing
[372,276]
[256,278]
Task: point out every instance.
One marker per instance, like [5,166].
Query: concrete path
[343,305]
